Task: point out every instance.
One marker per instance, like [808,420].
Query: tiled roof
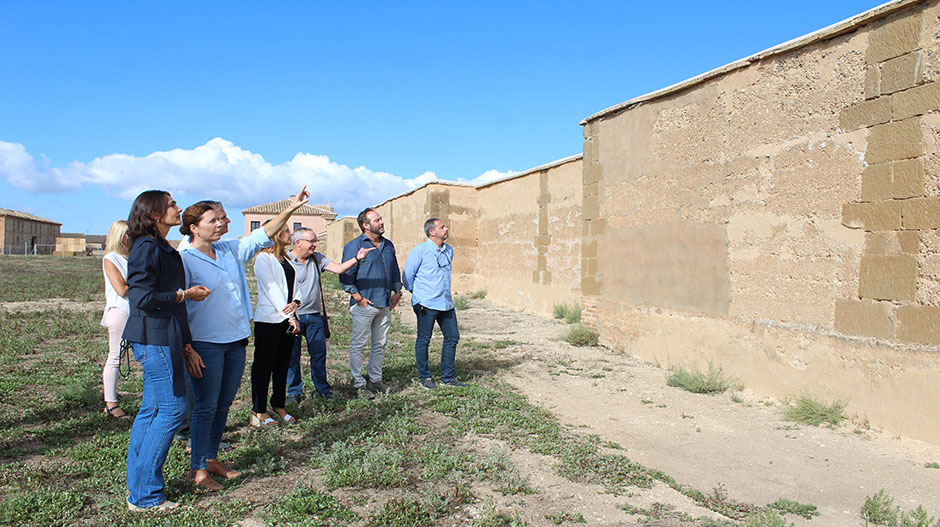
[71,235]
[275,207]
[25,216]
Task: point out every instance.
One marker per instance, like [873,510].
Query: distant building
[70,244]
[314,217]
[24,233]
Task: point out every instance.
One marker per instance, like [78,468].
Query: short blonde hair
[115,242]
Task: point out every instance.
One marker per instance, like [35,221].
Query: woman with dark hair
[220,326]
[158,330]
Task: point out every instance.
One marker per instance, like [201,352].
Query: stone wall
[778,217]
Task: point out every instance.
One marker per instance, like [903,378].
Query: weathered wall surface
[337,234]
[779,218]
[529,252]
[519,239]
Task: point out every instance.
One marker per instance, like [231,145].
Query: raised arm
[340,268]
[277,223]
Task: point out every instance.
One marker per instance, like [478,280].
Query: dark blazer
[154,274]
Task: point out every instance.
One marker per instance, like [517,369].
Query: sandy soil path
[702,441]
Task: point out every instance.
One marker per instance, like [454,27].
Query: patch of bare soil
[51,304]
[702,441]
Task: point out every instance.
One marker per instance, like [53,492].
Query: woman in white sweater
[114,268]
[275,327]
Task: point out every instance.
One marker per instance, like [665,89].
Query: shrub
[461,303]
[697,381]
[579,335]
[570,313]
[808,410]
[479,294]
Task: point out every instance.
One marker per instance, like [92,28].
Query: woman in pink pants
[114,267]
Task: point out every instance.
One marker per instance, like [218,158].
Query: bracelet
[357,259]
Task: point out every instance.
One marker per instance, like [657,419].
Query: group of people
[186,314]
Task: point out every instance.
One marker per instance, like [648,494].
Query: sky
[245,102]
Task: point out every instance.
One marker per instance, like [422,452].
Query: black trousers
[272,357]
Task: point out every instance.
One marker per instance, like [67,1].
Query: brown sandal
[111,409]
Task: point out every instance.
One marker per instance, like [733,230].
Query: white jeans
[114,320]
[368,321]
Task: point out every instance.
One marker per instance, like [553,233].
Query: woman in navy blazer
[158,330]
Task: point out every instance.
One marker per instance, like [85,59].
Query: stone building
[314,217]
[24,233]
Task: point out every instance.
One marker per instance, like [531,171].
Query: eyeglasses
[447,260]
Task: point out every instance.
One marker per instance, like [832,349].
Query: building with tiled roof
[25,233]
[314,217]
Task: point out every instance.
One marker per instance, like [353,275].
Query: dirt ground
[702,441]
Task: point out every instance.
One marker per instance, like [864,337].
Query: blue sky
[244,101]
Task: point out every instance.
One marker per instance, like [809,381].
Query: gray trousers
[368,321]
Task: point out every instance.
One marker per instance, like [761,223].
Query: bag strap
[320,282]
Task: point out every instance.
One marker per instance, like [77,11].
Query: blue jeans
[311,326]
[214,393]
[160,415]
[447,321]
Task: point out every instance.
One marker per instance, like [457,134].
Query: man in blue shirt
[427,276]
[374,286]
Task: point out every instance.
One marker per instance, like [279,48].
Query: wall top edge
[546,166]
[839,28]
[446,183]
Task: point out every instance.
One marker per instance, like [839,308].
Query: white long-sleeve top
[272,289]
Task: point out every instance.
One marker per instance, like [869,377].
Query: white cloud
[489,176]
[216,170]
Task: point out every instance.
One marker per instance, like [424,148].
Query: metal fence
[26,249]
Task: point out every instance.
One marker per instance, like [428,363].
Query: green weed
[570,313]
[305,506]
[561,517]
[696,381]
[766,518]
[479,294]
[402,512]
[579,335]
[809,410]
[880,510]
[785,506]
[932,464]
[461,303]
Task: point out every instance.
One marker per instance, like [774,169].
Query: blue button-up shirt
[225,315]
[427,275]
[376,276]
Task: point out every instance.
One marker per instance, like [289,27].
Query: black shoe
[363,392]
[377,386]
[428,384]
[294,399]
[455,383]
[324,395]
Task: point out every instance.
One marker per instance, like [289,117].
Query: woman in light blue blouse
[220,326]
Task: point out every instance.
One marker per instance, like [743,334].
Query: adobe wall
[518,238]
[779,218]
[529,254]
[338,233]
